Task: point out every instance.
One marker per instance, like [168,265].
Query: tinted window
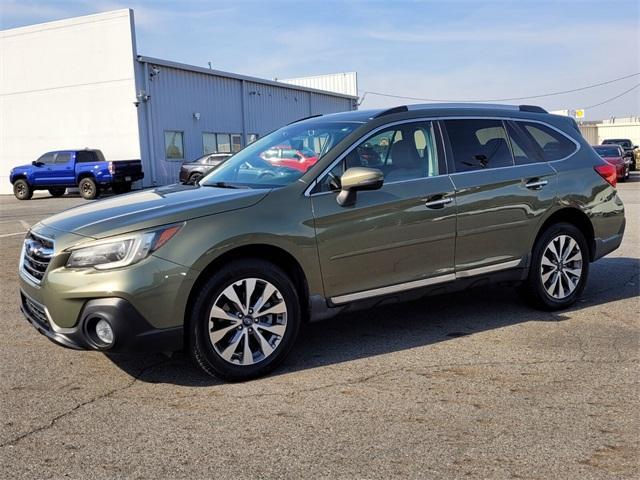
[524,151]
[85,156]
[608,151]
[63,157]
[553,144]
[403,152]
[46,158]
[478,144]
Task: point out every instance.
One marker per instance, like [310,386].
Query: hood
[150,208]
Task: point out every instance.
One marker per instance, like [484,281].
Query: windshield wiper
[221,185]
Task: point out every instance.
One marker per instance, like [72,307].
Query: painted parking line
[12,234]
[25,224]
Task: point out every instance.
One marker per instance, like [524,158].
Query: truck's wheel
[22,190]
[559,268]
[194,178]
[121,187]
[244,321]
[57,191]
[88,188]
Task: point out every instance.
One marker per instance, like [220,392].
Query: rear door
[502,187]
[62,171]
[396,238]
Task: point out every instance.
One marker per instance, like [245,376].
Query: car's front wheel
[559,268]
[244,321]
[22,190]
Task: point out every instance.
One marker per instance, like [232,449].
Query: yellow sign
[580,113]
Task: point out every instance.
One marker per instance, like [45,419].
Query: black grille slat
[36,312]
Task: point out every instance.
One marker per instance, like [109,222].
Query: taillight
[608,172]
[112,168]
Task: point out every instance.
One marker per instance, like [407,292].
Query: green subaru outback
[398,204]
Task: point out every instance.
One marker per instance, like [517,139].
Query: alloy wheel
[561,267]
[247,321]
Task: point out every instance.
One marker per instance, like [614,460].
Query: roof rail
[305,118]
[390,111]
[532,108]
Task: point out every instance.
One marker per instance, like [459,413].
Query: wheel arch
[575,217]
[19,176]
[82,175]
[262,251]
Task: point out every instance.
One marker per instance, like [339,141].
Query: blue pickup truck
[86,169]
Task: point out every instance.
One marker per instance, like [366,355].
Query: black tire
[201,347]
[22,190]
[57,191]
[88,188]
[533,289]
[194,178]
[119,188]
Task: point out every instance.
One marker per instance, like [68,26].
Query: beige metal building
[596,132]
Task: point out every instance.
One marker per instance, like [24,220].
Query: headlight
[123,251]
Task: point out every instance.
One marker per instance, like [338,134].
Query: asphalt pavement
[471,385]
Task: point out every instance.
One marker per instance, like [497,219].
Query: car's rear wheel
[244,321]
[559,268]
[22,190]
[57,191]
[88,188]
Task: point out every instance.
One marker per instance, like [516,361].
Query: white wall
[68,84]
[345,83]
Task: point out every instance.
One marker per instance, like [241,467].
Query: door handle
[437,202]
[535,184]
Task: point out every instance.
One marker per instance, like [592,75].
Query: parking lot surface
[472,385]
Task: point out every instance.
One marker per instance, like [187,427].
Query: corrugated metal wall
[590,133]
[177,94]
[346,82]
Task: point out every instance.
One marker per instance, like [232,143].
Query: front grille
[37,254]
[35,311]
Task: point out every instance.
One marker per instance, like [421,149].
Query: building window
[224,143]
[236,143]
[251,137]
[209,143]
[173,145]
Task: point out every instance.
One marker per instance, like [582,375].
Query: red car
[285,156]
[614,154]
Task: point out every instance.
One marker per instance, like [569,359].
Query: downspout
[149,126]
[243,104]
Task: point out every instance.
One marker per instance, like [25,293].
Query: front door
[397,238]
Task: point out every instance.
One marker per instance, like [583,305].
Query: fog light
[104,332]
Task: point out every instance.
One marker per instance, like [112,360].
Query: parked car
[631,151]
[86,169]
[229,269]
[192,171]
[614,154]
[286,156]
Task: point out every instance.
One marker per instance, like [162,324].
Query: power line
[551,94]
[613,98]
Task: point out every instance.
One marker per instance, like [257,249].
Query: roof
[220,73]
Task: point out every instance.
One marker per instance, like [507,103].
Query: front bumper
[132,333]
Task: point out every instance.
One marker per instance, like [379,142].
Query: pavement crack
[12,442]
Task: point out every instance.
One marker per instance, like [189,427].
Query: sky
[458,50]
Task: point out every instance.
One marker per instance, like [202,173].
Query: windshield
[608,151]
[281,157]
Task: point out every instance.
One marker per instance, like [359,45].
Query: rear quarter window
[553,144]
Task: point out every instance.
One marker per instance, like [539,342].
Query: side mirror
[355,179]
[36,163]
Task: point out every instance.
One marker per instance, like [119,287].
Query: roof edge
[220,73]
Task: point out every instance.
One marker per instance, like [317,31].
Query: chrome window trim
[319,177]
[400,287]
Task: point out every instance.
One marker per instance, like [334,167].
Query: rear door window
[63,157]
[478,144]
[553,144]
